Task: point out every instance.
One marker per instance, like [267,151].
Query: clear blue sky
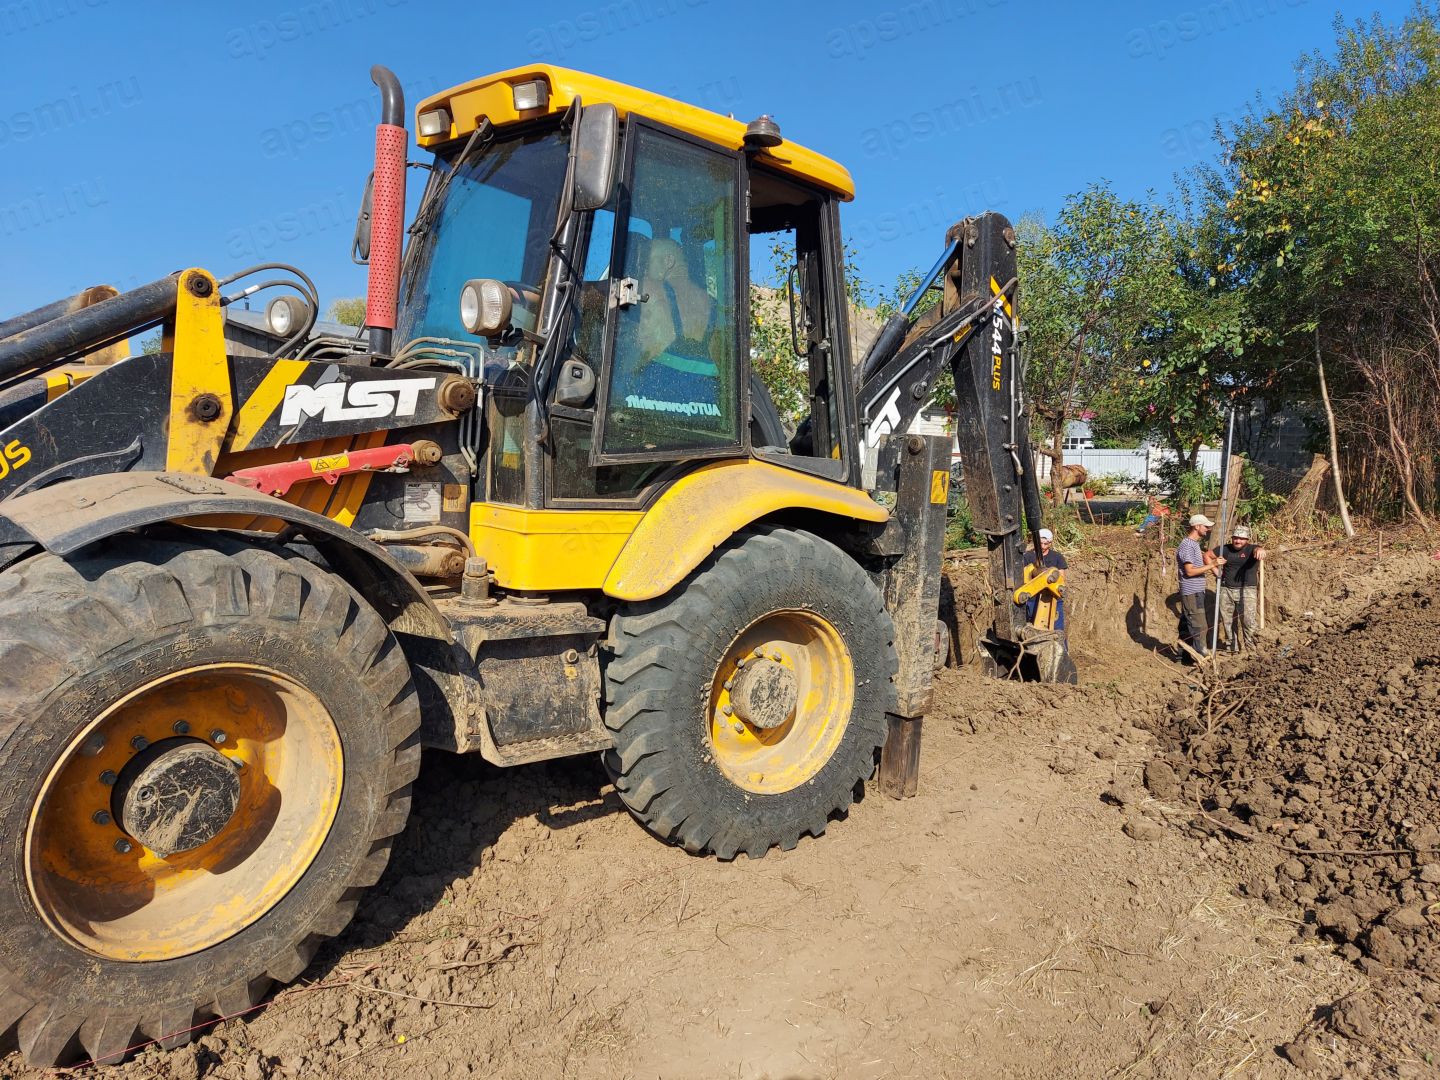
[140,138]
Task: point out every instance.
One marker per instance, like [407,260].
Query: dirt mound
[1321,763]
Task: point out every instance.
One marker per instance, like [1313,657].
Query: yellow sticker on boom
[329,464]
[939,486]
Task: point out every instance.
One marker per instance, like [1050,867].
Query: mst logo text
[368,400]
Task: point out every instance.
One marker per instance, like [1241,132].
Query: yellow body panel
[708,506]
[199,367]
[263,401]
[635,554]
[491,97]
[550,550]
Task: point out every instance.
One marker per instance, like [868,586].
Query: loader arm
[972,333]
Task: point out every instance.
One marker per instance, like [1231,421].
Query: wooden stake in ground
[1260,615]
[1334,450]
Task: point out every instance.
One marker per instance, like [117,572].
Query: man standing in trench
[1239,588]
[1194,564]
[1050,559]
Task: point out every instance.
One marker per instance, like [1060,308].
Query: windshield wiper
[434,197]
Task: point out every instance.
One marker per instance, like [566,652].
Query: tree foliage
[1316,235]
[1329,209]
[772,349]
[348,310]
[1096,288]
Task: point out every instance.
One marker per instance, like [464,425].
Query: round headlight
[285,315]
[485,306]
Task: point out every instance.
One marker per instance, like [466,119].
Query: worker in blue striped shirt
[1195,565]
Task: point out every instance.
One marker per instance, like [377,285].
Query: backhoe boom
[972,333]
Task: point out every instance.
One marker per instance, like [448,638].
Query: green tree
[1329,211]
[348,310]
[1091,285]
[1187,364]
[772,349]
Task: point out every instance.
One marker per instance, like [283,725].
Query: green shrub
[1188,487]
[1256,504]
[960,531]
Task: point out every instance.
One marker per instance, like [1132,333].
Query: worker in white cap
[1051,559]
[1194,564]
[1239,588]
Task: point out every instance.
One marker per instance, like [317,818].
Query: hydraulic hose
[1029,482]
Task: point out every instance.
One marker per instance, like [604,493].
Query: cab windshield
[494,220]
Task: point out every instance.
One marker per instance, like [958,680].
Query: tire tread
[60,616]
[651,645]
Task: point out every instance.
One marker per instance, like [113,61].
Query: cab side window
[672,388]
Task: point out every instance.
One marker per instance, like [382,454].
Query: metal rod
[51,342]
[92,295]
[429,560]
[1224,499]
[929,279]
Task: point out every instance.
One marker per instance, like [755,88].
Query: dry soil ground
[1034,912]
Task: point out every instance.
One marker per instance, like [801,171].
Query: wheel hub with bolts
[175,795]
[198,800]
[781,701]
[764,693]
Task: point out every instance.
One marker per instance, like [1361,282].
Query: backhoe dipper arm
[972,331]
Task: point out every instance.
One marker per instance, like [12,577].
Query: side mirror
[597,149]
[360,246]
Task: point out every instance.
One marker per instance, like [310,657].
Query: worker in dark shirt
[1053,560]
[1239,588]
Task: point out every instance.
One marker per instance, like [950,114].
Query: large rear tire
[748,706]
[205,752]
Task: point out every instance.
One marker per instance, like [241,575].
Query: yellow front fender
[705,508]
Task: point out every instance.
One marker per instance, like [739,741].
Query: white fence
[1138,466]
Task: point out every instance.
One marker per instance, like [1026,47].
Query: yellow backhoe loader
[539,505]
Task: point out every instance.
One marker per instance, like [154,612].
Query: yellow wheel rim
[92,876]
[775,741]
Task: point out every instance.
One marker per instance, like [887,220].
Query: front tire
[205,752]
[748,706]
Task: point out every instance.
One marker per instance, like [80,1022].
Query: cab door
[672,385]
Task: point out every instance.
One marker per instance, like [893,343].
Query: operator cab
[627,353]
